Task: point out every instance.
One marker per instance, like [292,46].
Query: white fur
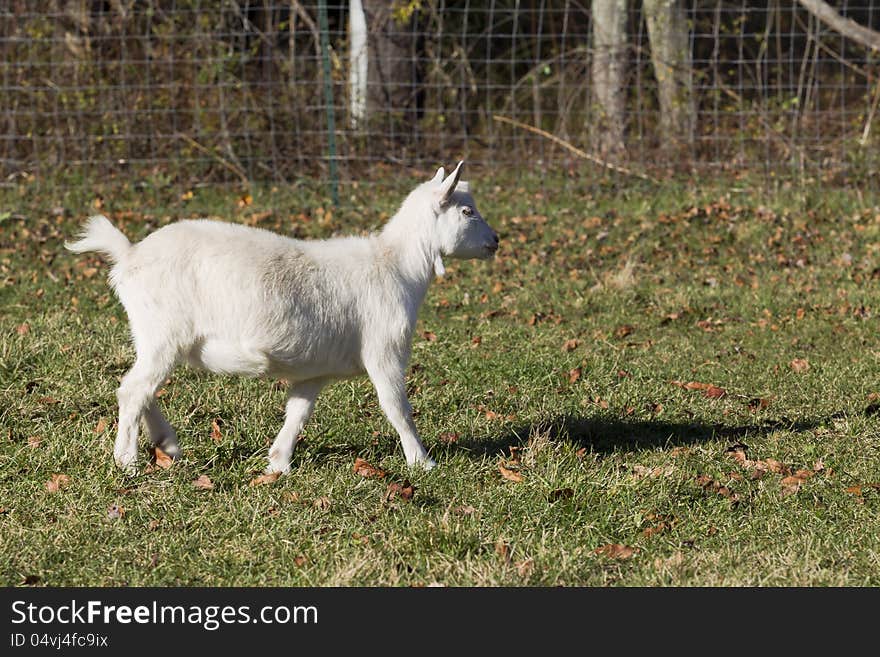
[240,300]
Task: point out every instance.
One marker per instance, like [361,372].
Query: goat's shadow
[605,435]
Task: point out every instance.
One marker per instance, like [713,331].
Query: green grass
[721,284]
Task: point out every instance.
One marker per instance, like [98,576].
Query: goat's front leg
[391,390]
[300,404]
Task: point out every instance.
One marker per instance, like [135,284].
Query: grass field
[649,386]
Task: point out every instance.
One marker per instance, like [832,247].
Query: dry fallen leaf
[322,502]
[34,441]
[216,434]
[430,336]
[404,491]
[775,466]
[615,551]
[162,459]
[448,437]
[800,365]
[560,494]
[708,389]
[524,568]
[570,345]
[623,331]
[710,485]
[102,424]
[758,403]
[263,479]
[115,511]
[299,560]
[23,329]
[464,510]
[57,482]
[510,475]
[365,469]
[204,482]
[574,374]
[502,549]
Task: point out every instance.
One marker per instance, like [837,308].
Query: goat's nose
[495,237]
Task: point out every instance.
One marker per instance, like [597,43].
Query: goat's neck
[412,246]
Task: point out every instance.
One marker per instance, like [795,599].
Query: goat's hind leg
[300,404]
[136,395]
[162,434]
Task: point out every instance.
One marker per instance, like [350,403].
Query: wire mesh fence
[247,90]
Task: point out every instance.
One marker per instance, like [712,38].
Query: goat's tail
[100,235]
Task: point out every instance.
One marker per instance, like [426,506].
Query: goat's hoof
[169,446]
[277,468]
[126,463]
[426,463]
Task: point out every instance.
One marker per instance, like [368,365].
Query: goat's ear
[448,186]
[439,176]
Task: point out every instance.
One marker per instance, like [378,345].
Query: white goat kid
[239,300]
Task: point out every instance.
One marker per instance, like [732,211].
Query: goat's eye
[467,211]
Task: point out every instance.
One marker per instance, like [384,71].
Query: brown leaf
[793,483]
[560,494]
[216,434]
[57,482]
[502,549]
[300,560]
[88,272]
[23,329]
[714,392]
[263,479]
[448,437]
[574,375]
[622,331]
[102,424]
[476,341]
[758,403]
[799,365]
[570,345]
[510,475]
[615,551]
[404,491]
[162,459]
[524,568]
[322,502]
[464,510]
[365,469]
[710,485]
[115,511]
[708,389]
[775,466]
[34,441]
[204,482]
[430,336]
[662,522]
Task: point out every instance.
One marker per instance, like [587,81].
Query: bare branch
[846,26]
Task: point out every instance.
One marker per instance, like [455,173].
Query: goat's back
[198,281]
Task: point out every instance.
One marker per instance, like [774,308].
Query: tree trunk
[392,76]
[673,68]
[358,63]
[609,69]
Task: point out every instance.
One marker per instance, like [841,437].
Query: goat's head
[461,230]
